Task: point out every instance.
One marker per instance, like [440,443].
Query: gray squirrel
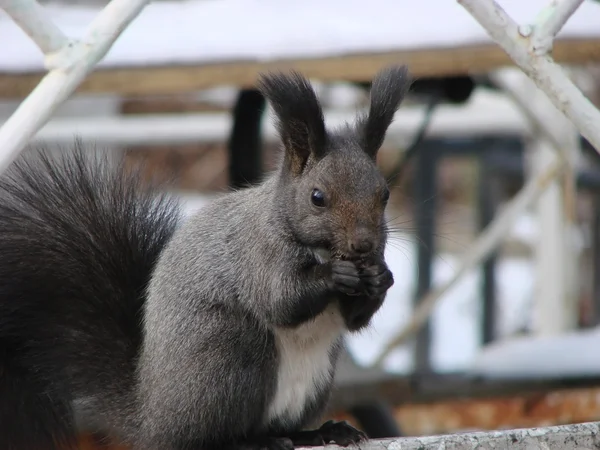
[218,332]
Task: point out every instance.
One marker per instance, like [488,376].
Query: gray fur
[244,281]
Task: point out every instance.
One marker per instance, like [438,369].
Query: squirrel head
[330,191]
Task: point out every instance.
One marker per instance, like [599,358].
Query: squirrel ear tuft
[299,117]
[388,89]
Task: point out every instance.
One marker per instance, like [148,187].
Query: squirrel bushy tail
[79,237]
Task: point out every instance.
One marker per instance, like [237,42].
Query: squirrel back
[79,237]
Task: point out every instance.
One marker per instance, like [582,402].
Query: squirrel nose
[361,246]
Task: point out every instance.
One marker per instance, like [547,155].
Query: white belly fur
[304,363]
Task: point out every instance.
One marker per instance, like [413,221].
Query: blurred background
[513,343]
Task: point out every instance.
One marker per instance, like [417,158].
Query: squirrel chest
[305,365]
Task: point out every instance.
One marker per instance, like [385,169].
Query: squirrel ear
[388,89]
[299,117]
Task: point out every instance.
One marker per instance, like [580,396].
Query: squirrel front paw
[377,279]
[345,277]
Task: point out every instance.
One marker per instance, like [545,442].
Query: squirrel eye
[386,195]
[317,198]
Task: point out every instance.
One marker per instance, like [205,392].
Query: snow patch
[210,31]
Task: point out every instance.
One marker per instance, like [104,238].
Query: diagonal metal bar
[547,75]
[69,67]
[33,20]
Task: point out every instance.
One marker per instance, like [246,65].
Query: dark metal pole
[425,210]
[487,199]
[245,144]
[377,419]
[596,259]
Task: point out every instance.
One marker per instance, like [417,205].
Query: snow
[208,31]
[455,322]
[571,354]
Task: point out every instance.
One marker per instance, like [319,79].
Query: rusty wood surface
[180,79]
[554,407]
[490,406]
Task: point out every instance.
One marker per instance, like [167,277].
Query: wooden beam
[437,62]
[452,403]
[525,409]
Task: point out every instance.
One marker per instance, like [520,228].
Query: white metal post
[555,301]
[69,62]
[529,45]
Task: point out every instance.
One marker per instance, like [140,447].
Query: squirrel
[220,331]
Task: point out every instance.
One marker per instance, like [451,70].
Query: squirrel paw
[345,277]
[377,279]
[341,433]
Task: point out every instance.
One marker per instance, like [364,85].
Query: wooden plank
[449,404]
[554,407]
[181,79]
[402,390]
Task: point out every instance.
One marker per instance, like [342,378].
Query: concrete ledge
[584,436]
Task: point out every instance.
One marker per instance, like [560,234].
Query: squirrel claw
[377,279]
